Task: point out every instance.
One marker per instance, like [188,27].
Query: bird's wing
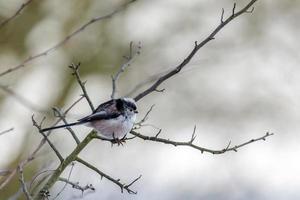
[102,115]
[108,106]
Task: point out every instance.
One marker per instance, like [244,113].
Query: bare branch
[4,172]
[139,124]
[31,157]
[65,40]
[62,117]
[47,139]
[34,178]
[202,149]
[25,102]
[44,191]
[77,186]
[116,181]
[22,181]
[6,131]
[197,46]
[129,60]
[75,69]
[18,12]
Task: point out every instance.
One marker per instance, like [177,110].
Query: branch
[20,99]
[139,124]
[65,40]
[197,46]
[129,60]
[69,159]
[71,170]
[62,117]
[6,131]
[116,181]
[18,12]
[77,186]
[4,172]
[75,73]
[22,181]
[47,139]
[202,149]
[31,157]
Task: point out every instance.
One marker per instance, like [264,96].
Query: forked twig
[129,59]
[116,181]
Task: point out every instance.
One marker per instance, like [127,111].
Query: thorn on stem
[233,9]
[222,16]
[250,11]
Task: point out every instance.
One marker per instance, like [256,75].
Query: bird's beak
[136,111]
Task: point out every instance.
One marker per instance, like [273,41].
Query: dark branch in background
[129,60]
[192,145]
[75,73]
[18,12]
[6,131]
[23,184]
[4,172]
[197,46]
[59,114]
[32,156]
[65,40]
[23,101]
[46,138]
[116,181]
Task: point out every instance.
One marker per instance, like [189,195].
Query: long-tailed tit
[112,119]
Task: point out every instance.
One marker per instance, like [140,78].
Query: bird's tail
[61,126]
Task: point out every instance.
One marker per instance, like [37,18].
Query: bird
[112,119]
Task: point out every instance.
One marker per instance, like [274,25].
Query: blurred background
[239,86]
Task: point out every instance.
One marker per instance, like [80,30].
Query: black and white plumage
[112,119]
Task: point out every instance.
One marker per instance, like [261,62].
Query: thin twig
[4,172]
[65,40]
[37,175]
[202,149]
[47,139]
[75,69]
[69,176]
[22,100]
[77,186]
[129,60]
[116,181]
[6,131]
[139,124]
[196,48]
[23,184]
[67,161]
[18,12]
[62,117]
[31,157]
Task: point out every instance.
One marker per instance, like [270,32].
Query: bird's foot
[118,141]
